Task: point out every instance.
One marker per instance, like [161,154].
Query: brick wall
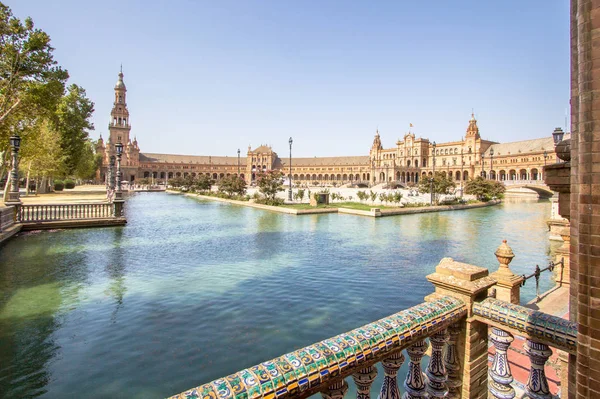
[585,194]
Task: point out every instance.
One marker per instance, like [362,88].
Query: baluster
[500,374]
[363,380]
[452,364]
[537,385]
[391,365]
[337,390]
[436,371]
[415,379]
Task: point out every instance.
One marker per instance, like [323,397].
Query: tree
[29,75]
[232,185]
[72,121]
[484,189]
[270,183]
[203,183]
[41,154]
[441,184]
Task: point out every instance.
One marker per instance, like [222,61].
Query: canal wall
[374,212]
[8,227]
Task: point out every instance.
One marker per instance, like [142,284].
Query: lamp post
[118,192]
[462,167]
[13,194]
[111,175]
[557,135]
[290,177]
[432,175]
[545,156]
[491,161]
[238,162]
[482,163]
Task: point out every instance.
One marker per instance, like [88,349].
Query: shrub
[69,184]
[59,185]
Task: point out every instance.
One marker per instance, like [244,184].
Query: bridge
[525,187]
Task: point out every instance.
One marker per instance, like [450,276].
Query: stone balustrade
[541,332]
[322,367]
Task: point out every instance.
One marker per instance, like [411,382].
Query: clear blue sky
[209,77]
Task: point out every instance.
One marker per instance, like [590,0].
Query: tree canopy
[441,184]
[270,183]
[484,189]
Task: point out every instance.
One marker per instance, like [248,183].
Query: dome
[120,84]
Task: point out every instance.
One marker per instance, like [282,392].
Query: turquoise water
[191,290]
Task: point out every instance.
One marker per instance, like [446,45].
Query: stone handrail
[322,367]
[541,331]
[54,212]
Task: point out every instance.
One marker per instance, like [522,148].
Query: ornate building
[411,159]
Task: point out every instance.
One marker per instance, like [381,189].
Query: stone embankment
[374,212]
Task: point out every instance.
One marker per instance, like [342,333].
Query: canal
[193,290]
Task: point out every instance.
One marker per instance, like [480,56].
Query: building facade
[411,159]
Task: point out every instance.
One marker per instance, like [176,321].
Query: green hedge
[59,185]
[69,184]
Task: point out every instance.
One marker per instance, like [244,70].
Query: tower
[119,126]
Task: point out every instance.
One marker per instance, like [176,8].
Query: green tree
[88,164]
[484,189]
[30,75]
[441,184]
[232,185]
[270,183]
[204,183]
[72,121]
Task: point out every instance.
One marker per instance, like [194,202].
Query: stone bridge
[528,187]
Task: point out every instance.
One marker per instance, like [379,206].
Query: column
[337,390]
[415,379]
[537,384]
[452,363]
[500,374]
[436,370]
[364,379]
[391,365]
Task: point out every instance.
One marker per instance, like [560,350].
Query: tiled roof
[195,159]
[352,160]
[522,147]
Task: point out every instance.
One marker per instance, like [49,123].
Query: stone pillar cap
[504,254]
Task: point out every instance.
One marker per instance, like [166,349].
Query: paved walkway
[80,194]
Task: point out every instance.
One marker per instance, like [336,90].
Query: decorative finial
[505,255]
[121,67]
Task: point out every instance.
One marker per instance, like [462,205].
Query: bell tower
[119,127]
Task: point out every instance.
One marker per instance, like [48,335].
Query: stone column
[508,284]
[468,283]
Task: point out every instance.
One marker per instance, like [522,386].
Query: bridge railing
[56,212]
[322,367]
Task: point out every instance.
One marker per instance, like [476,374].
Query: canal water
[193,290]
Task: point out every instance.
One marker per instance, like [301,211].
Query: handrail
[537,274]
[539,326]
[314,368]
[55,212]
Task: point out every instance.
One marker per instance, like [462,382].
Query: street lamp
[119,148]
[491,161]
[545,156]
[557,135]
[238,162]
[482,163]
[290,177]
[462,167]
[111,174]
[432,176]
[13,194]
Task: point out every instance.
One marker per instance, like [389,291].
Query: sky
[209,77]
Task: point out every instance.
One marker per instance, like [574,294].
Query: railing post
[452,364]
[537,385]
[468,283]
[337,390]
[391,365]
[500,374]
[415,379]
[508,284]
[364,379]
[436,370]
